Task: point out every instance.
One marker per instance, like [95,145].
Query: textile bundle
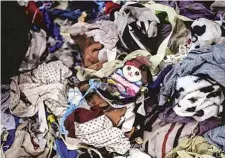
[113,79]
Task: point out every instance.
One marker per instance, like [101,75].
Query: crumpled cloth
[104,32]
[45,84]
[164,137]
[206,32]
[206,60]
[100,132]
[216,137]
[200,98]
[23,147]
[195,147]
[131,21]
[36,49]
[218,7]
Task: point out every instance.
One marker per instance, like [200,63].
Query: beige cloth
[195,147]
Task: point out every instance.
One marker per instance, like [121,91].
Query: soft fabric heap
[113,79]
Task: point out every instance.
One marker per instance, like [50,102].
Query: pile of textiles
[113,79]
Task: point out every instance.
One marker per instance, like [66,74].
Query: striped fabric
[164,137]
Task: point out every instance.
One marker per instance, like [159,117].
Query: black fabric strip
[175,143]
[146,147]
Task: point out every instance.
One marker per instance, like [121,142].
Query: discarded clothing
[216,137]
[103,31]
[81,115]
[35,51]
[63,151]
[209,61]
[52,28]
[205,32]
[65,14]
[164,137]
[100,133]
[137,27]
[30,90]
[195,147]
[197,97]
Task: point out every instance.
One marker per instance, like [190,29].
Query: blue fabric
[216,137]
[101,6]
[11,135]
[66,14]
[62,150]
[52,28]
[159,80]
[94,85]
[10,139]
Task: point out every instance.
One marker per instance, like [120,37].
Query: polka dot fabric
[100,132]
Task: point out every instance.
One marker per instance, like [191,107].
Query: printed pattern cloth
[100,132]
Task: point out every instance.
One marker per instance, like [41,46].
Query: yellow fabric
[195,147]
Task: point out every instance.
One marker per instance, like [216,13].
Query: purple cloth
[168,115]
[208,125]
[159,80]
[192,9]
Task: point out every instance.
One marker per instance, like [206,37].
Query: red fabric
[110,6]
[166,138]
[81,115]
[134,62]
[31,9]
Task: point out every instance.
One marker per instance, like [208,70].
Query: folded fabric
[195,147]
[100,132]
[216,137]
[164,137]
[81,115]
[197,97]
[35,51]
[205,32]
[209,61]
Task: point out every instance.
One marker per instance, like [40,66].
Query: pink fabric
[130,86]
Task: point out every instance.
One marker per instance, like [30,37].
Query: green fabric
[195,147]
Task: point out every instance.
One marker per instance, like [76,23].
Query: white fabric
[100,132]
[128,119]
[7,120]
